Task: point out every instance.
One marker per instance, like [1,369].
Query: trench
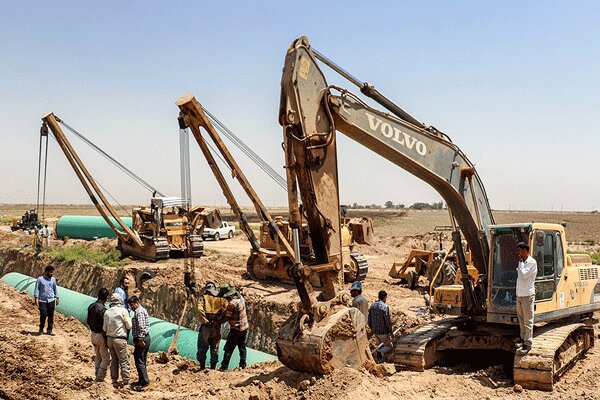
[469,360]
[164,298]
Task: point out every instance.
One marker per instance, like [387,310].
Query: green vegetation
[6,219]
[595,258]
[80,253]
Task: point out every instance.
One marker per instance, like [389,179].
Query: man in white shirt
[116,324]
[526,272]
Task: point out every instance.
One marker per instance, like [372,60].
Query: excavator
[271,253]
[168,227]
[326,333]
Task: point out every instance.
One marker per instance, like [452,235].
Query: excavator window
[545,252]
[504,279]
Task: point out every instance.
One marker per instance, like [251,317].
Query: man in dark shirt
[95,320]
[380,323]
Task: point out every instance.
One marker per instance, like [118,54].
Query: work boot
[524,349]
[49,332]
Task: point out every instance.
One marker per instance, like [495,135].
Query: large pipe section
[87,227]
[75,305]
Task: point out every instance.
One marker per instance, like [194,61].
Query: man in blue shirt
[46,298]
[123,291]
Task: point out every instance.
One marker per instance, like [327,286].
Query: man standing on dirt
[123,291]
[95,320]
[359,301]
[141,339]
[238,326]
[45,297]
[526,272]
[46,236]
[116,324]
[380,323]
[211,314]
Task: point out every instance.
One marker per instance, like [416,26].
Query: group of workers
[378,319]
[110,328]
[41,238]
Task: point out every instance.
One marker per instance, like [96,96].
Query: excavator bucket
[362,230]
[211,218]
[339,340]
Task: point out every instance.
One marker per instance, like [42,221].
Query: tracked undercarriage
[153,250]
[555,347]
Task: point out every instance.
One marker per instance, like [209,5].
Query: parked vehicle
[222,232]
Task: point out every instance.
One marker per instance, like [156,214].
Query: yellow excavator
[271,253]
[326,333]
[168,227]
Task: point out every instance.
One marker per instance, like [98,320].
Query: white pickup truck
[222,232]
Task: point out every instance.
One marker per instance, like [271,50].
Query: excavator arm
[311,112]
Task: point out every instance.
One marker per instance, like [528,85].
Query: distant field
[581,226]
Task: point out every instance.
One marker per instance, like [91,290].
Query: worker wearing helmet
[211,312]
[358,299]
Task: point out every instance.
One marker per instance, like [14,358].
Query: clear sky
[515,84]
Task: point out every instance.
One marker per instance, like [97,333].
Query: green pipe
[87,227]
[75,305]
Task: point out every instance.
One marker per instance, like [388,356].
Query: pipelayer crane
[325,333]
[271,254]
[168,226]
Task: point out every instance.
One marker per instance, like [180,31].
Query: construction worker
[238,326]
[526,273]
[358,300]
[211,314]
[380,323]
[141,339]
[37,240]
[95,321]
[123,291]
[45,297]
[116,324]
[46,236]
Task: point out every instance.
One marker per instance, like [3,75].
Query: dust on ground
[61,367]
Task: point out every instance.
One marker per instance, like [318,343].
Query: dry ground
[62,362]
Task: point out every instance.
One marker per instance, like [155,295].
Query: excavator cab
[563,281]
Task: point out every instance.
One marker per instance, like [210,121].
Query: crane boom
[87,181]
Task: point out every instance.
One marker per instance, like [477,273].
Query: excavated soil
[61,366]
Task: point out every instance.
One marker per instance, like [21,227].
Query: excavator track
[196,246]
[362,266]
[417,350]
[553,351]
[153,249]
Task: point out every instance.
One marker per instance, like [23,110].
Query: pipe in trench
[75,305]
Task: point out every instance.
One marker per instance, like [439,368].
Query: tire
[446,276]
[217,237]
[230,235]
[413,279]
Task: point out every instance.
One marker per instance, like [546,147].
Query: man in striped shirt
[140,331]
[238,326]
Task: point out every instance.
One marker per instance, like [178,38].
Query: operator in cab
[526,273]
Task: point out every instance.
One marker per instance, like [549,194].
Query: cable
[274,175]
[130,173]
